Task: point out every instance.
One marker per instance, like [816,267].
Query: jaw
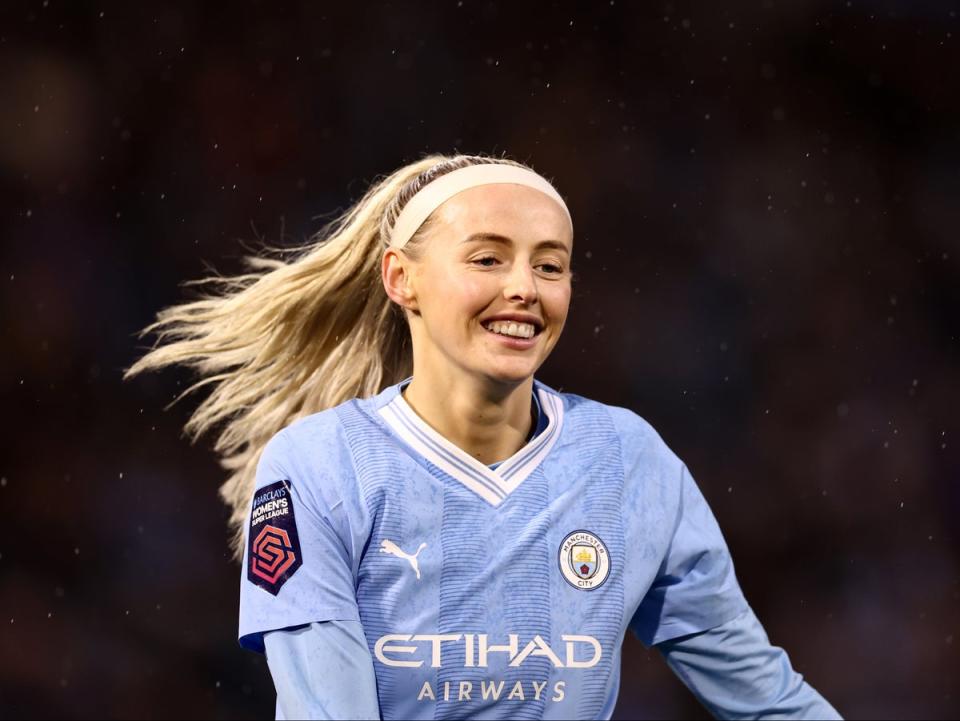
[508,365]
[480,356]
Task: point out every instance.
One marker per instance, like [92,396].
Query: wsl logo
[274,549]
[584,561]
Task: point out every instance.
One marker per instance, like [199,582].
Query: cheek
[459,298]
[473,293]
[556,301]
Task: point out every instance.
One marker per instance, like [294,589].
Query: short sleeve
[695,588]
[296,568]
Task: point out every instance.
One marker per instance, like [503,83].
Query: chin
[512,376]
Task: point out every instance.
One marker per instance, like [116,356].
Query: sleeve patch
[274,547]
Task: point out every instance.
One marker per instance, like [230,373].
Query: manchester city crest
[584,561]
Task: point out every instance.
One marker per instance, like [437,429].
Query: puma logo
[389,546]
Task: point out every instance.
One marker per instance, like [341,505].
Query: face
[493,254]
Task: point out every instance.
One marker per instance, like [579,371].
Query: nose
[521,284]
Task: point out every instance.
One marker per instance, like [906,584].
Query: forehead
[515,211]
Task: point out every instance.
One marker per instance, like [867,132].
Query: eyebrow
[504,240]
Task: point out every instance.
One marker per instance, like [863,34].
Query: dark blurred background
[766,198]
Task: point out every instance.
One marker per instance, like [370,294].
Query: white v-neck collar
[493,486]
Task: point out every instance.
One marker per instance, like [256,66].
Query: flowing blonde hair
[295,337]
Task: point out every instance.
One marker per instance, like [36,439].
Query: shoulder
[638,434]
[312,453]
[641,446]
[323,428]
[581,408]
[646,454]
[305,439]
[654,476]
[633,430]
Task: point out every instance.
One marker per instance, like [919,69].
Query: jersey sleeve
[323,671]
[735,672]
[695,588]
[296,566]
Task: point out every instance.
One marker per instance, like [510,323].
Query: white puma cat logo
[389,546]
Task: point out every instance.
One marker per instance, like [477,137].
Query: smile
[514,342]
[512,328]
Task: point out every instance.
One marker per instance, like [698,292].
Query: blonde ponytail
[292,338]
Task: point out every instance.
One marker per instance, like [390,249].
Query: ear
[395,272]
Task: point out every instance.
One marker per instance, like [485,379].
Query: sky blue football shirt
[489,593]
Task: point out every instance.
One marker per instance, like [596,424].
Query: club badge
[584,561]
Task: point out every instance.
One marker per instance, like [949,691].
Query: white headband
[436,192]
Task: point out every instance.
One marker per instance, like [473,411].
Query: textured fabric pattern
[510,604]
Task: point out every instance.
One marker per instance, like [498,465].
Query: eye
[551,268]
[482,261]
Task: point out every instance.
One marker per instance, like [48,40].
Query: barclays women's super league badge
[274,548]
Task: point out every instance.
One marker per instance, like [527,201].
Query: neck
[491,422]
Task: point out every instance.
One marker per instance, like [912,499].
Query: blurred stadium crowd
[765,198]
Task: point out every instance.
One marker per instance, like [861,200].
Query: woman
[430,532]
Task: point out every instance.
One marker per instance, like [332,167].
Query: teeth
[518,330]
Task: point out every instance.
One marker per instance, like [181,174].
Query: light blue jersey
[484,592]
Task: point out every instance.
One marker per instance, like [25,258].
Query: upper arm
[297,567]
[693,587]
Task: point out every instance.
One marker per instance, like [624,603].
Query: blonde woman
[427,530]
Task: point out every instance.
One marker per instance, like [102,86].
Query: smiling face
[496,252]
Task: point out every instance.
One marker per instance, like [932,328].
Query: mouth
[513,334]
